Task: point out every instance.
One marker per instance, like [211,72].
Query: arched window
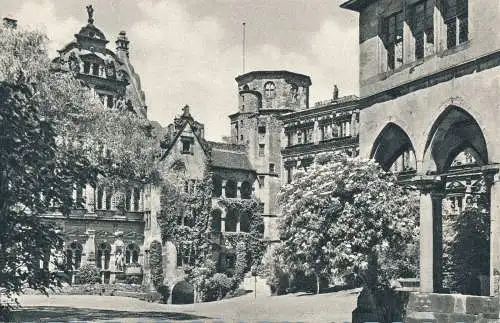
[231,188]
[74,255]
[132,254]
[269,88]
[217,186]
[231,220]
[244,222]
[246,190]
[103,256]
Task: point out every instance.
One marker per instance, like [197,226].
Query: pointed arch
[454,131]
[391,145]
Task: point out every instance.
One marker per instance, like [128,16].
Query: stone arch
[454,130]
[183,293]
[393,144]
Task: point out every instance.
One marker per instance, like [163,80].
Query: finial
[90,12]
[185,111]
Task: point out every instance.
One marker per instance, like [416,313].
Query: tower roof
[247,77]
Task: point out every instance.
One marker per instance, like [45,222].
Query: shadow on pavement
[55,313]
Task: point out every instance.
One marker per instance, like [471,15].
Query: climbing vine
[185,220]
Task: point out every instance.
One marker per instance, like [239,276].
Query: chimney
[10,22]
[122,44]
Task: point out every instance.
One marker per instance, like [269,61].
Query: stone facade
[429,78]
[109,231]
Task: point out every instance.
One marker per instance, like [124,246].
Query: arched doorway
[183,293]
[459,198]
[393,150]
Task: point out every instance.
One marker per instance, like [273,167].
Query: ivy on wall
[185,219]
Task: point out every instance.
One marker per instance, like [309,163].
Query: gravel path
[332,307]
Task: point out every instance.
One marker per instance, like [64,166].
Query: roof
[230,158]
[271,74]
[356,5]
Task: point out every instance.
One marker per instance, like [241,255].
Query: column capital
[428,184]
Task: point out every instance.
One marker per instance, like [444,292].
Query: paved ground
[333,307]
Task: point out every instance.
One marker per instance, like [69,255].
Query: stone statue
[119,260]
[90,12]
[335,92]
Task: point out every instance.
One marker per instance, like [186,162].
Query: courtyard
[332,307]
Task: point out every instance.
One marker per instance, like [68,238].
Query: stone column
[494,190]
[89,248]
[431,234]
[238,190]
[89,198]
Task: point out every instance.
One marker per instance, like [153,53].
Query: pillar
[89,198]
[238,190]
[494,189]
[431,241]
[89,248]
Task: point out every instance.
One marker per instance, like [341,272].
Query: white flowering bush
[344,214]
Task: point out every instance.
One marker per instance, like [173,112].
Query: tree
[468,252]
[34,177]
[52,134]
[343,216]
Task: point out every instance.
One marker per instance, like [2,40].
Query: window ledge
[456,49]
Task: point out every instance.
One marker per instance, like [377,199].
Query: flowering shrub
[346,215]
[88,274]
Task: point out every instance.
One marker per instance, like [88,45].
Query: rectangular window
[289,138]
[262,129]
[393,34]
[261,181]
[421,22]
[261,150]
[456,19]
[271,168]
[86,67]
[187,145]
[308,135]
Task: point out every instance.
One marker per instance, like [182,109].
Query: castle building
[331,125]
[429,84]
[104,232]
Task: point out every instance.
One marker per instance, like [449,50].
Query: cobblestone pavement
[332,307]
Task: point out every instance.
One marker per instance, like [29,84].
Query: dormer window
[187,145]
[269,88]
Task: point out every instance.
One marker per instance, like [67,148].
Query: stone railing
[343,99]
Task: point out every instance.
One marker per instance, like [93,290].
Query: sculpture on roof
[90,12]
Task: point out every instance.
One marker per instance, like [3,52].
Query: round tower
[263,96]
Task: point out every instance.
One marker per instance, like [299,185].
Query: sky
[190,51]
